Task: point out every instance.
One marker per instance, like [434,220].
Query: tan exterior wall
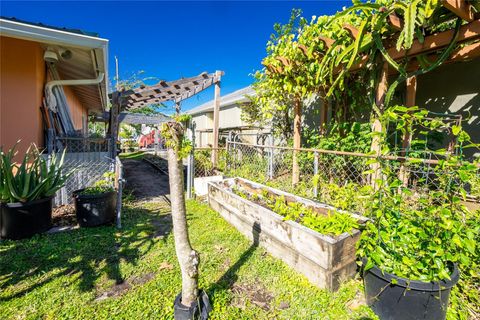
[203,121]
[22,76]
[230,117]
[22,80]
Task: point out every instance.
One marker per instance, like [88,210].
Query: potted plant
[96,205]
[26,192]
[420,241]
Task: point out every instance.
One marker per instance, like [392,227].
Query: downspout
[52,103]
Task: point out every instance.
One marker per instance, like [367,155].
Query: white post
[270,160]
[216,115]
[315,173]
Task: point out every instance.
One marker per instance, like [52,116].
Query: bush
[36,177]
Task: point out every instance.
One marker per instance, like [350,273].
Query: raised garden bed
[326,260]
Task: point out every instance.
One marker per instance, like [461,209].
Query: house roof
[230,99]
[39,24]
[87,59]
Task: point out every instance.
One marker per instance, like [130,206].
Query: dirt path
[145,182]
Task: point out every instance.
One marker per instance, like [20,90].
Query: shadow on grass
[83,255]
[230,277]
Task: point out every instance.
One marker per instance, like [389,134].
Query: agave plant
[36,177]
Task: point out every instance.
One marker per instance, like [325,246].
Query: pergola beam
[438,41]
[466,53]
[163,91]
[395,22]
[351,30]
[327,41]
[170,95]
[461,8]
[468,32]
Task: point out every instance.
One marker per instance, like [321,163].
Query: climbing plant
[339,56]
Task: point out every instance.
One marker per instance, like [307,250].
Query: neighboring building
[32,55]
[230,119]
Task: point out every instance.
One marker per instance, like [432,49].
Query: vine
[316,57]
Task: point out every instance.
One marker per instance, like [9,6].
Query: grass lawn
[103,273]
[137,155]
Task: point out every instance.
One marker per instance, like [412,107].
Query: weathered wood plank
[325,260]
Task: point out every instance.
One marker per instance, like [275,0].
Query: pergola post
[216,115]
[177,107]
[114,112]
[377,128]
[297,132]
[411,92]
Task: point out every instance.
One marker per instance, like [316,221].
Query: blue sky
[169,40]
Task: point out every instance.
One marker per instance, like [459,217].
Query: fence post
[50,140]
[227,151]
[119,170]
[156,142]
[315,173]
[270,159]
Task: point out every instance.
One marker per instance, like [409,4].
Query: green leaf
[456,130]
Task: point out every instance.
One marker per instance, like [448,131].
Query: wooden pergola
[468,36]
[164,91]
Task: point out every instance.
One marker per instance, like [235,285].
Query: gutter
[25,31]
[51,101]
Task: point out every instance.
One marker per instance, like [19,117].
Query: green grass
[137,155]
[103,273]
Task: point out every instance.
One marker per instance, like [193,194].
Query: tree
[189,259]
[345,56]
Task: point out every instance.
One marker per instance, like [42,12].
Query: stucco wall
[22,80]
[22,75]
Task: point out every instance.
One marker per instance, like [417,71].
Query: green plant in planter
[36,177]
[415,236]
[101,186]
[418,233]
[334,223]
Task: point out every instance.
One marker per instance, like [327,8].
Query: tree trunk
[297,131]
[187,257]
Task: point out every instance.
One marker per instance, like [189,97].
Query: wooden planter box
[325,260]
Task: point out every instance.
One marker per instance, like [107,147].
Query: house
[51,80]
[230,119]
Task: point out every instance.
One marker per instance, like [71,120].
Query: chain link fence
[203,164]
[333,176]
[89,158]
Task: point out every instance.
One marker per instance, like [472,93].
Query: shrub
[35,178]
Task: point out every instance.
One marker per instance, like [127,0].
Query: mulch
[64,216]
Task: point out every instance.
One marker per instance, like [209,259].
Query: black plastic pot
[407,299]
[22,220]
[95,209]
[199,310]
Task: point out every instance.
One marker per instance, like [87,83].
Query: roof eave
[30,32]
